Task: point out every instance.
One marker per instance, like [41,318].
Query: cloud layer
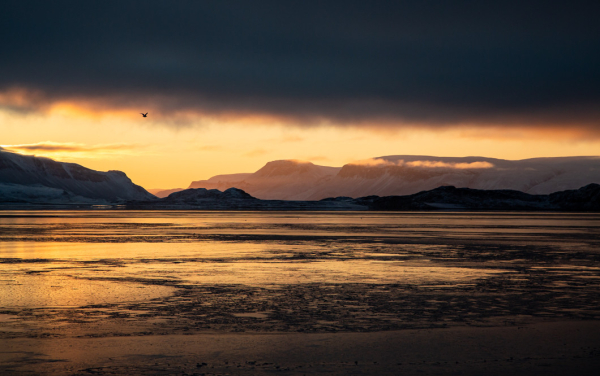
[72,149]
[381,162]
[434,63]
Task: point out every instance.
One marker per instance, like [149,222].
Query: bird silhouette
[144,115]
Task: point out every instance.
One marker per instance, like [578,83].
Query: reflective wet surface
[122,273]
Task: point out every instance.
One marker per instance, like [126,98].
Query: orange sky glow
[156,153]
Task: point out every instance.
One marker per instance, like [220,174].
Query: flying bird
[144,115]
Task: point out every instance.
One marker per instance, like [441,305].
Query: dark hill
[584,199]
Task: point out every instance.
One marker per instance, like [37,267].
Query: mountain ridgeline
[409,174]
[447,197]
[30,179]
[277,180]
[432,183]
[585,199]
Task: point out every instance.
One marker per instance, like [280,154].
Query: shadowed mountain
[236,199]
[26,178]
[442,198]
[584,199]
[409,174]
[222,182]
[161,193]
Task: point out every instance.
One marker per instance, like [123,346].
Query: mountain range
[384,183]
[586,199]
[406,175]
[30,179]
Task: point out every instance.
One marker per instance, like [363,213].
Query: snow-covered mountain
[26,178]
[28,194]
[409,174]
[277,180]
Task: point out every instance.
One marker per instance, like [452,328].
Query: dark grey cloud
[430,62]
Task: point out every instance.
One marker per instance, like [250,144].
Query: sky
[231,85]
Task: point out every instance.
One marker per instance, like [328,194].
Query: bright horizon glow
[156,155]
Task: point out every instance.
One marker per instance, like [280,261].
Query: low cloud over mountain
[401,182]
[409,174]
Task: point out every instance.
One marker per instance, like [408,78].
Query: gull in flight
[144,115]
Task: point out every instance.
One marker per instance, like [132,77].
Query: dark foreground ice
[223,285]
